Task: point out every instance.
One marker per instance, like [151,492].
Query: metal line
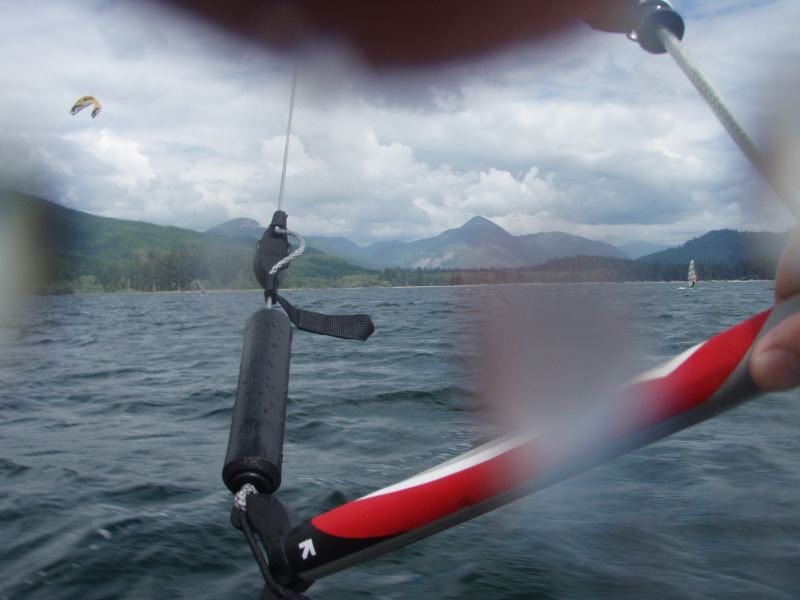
[288,135]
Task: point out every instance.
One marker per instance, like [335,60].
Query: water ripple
[114,416]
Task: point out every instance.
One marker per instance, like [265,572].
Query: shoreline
[460,285]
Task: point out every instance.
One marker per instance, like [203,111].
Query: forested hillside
[68,250]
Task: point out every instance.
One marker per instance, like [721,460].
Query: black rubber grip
[255,445]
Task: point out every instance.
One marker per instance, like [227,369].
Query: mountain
[482,244]
[724,247]
[73,233]
[249,228]
[478,243]
[555,244]
[640,248]
[339,247]
[70,250]
[344,249]
[58,249]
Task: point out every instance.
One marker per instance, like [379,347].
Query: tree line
[194,268]
[582,269]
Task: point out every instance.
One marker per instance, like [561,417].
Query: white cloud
[587,134]
[498,192]
[132,167]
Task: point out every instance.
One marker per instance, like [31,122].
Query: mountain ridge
[479,243]
[482,244]
[76,251]
[724,246]
[638,248]
[239,227]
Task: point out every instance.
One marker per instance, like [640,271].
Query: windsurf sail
[196,283]
[692,274]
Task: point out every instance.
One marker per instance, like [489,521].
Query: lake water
[114,417]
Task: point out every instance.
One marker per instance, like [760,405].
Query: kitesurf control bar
[704,381]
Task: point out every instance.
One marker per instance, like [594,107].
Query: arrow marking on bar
[307,546]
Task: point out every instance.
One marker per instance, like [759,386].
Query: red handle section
[698,384]
[678,389]
[695,380]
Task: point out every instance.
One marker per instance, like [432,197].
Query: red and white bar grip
[696,385]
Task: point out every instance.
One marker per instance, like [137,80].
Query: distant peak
[481,223]
[240,222]
[241,226]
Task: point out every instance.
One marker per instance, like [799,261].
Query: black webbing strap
[349,327]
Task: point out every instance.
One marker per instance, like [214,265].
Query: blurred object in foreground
[783,138]
[410,33]
[28,253]
[556,362]
[783,153]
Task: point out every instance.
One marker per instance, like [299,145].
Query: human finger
[409,32]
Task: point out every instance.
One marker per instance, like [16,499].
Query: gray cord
[726,117]
[289,258]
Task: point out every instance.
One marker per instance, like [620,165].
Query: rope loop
[240,499]
[296,254]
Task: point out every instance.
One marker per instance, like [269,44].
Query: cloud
[132,167]
[586,134]
[498,192]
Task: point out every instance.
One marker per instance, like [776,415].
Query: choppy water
[114,416]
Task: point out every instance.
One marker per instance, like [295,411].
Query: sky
[586,134]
